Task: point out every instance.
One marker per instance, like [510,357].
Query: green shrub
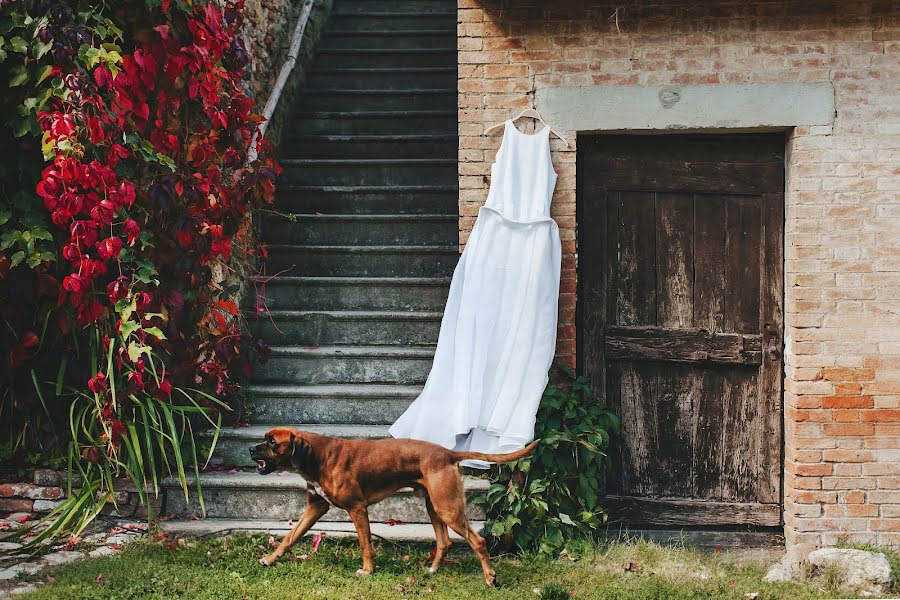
[551,499]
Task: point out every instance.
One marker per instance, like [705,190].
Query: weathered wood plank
[742,270]
[739,472]
[710,445]
[732,164]
[675,260]
[686,513]
[696,537]
[633,279]
[682,345]
[770,374]
[630,390]
[674,394]
[593,240]
[709,262]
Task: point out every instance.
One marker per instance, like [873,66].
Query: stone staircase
[363,272]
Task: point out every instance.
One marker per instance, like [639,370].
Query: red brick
[848,402]
[881,415]
[15,505]
[848,429]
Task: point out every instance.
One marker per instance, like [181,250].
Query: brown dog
[352,474]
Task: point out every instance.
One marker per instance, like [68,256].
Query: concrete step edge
[378,92]
[345,189]
[385,281]
[257,431]
[364,249]
[337,529]
[388,51]
[354,351]
[349,315]
[381,70]
[356,391]
[365,162]
[373,114]
[374,138]
[389,32]
[251,480]
[388,13]
[381,218]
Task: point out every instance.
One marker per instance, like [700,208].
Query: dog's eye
[271,441]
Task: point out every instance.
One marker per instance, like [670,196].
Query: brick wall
[842,248]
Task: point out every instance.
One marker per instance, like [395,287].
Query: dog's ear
[302,457]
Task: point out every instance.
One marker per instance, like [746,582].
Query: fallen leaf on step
[393,522]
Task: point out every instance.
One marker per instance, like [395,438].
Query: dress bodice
[522,176]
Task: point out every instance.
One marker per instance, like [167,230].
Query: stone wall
[842,248]
[268,30]
[47,490]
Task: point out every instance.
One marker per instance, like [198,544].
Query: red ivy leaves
[150,166]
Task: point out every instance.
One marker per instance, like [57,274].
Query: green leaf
[155,332]
[129,327]
[18,45]
[17,258]
[19,76]
[135,351]
[43,74]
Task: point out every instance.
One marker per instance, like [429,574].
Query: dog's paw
[432,569]
[361,572]
[268,561]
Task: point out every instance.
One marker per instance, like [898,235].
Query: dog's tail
[495,458]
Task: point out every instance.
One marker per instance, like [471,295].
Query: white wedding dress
[498,333]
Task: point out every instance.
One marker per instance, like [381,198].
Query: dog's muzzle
[264,465]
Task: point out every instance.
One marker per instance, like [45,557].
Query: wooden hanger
[530,113]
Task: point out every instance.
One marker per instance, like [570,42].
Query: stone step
[359,403]
[347,230]
[320,328]
[385,57]
[362,261]
[399,532]
[371,171]
[248,495]
[370,146]
[352,7]
[352,293]
[387,78]
[367,100]
[346,364]
[391,21]
[232,448]
[368,199]
[443,37]
[377,122]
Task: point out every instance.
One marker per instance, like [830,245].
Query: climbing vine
[122,332]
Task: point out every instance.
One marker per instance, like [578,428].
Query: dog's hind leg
[360,518]
[445,489]
[316,507]
[441,536]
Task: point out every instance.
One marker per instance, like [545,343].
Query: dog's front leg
[360,518]
[316,507]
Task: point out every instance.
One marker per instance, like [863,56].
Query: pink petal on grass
[317,541]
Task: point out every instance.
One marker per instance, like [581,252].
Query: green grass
[220,569]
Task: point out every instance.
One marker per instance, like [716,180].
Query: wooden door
[680,254]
